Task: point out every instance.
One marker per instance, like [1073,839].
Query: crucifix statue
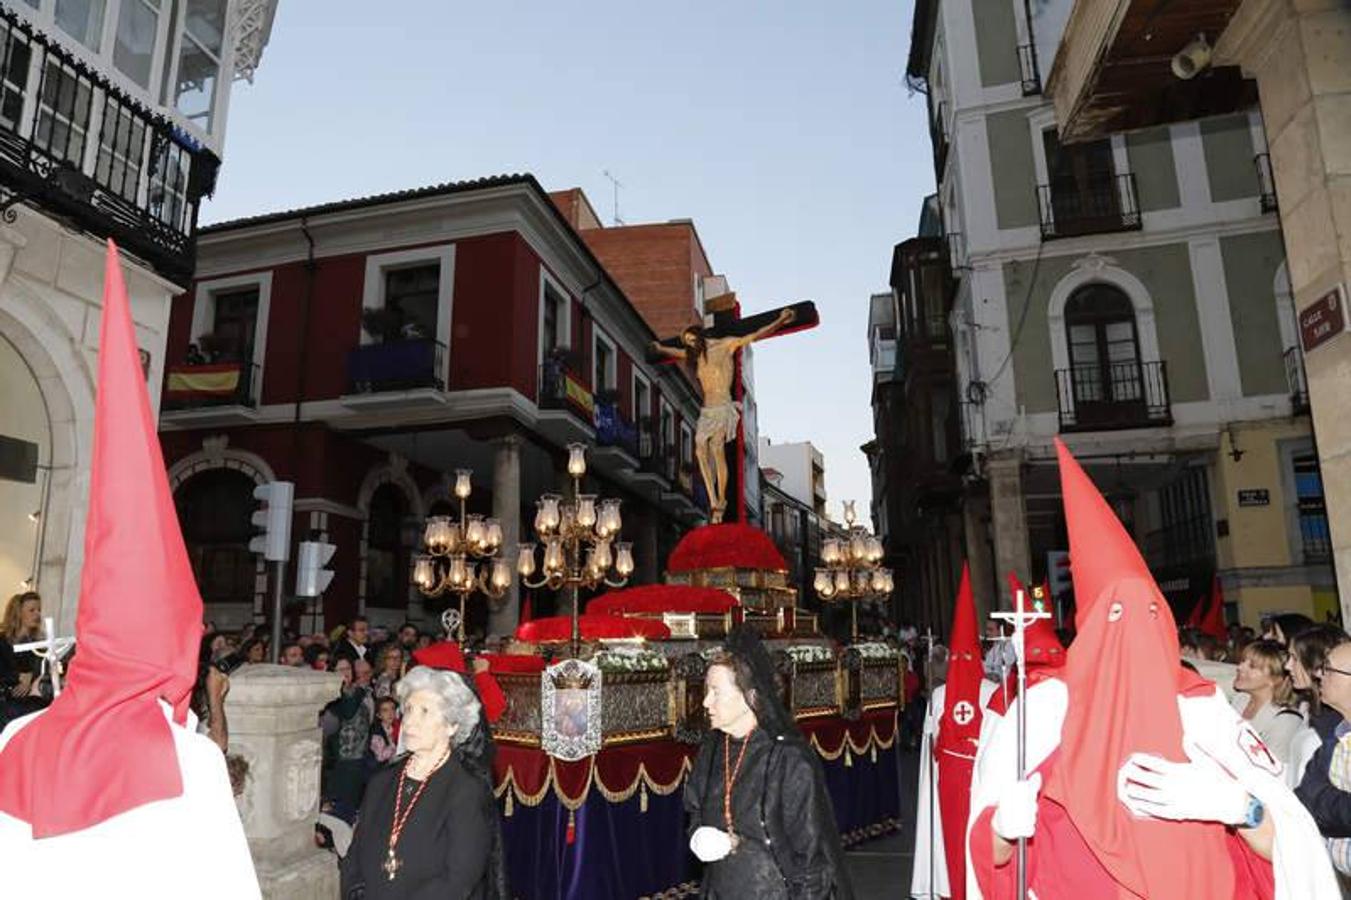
[714,354]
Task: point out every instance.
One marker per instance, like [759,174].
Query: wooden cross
[726,322]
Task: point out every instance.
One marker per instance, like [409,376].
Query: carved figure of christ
[714,357]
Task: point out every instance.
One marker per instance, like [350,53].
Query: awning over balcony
[1113,71]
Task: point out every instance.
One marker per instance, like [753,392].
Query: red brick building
[367,349]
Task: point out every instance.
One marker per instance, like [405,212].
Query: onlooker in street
[385,730]
[292,654]
[391,670]
[408,635]
[1271,708]
[1325,789]
[346,724]
[353,644]
[362,673]
[316,657]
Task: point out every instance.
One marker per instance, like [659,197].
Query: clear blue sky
[783,129]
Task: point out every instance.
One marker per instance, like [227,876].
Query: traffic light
[311,576]
[1058,573]
[273,520]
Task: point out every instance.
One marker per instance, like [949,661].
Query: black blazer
[444,849]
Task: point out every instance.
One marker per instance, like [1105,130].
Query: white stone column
[273,717]
[504,613]
[1012,547]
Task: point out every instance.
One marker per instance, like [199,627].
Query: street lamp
[577,534]
[462,555]
[852,571]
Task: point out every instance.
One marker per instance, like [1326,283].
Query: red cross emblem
[963,712]
[1256,751]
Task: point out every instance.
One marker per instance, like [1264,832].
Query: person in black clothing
[1329,803]
[353,647]
[760,818]
[428,826]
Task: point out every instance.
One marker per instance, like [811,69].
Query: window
[1315,537]
[1184,511]
[554,319]
[121,145]
[236,321]
[214,510]
[1084,197]
[642,399]
[63,113]
[666,424]
[686,445]
[14,78]
[1104,348]
[134,43]
[412,293]
[82,20]
[199,60]
[604,362]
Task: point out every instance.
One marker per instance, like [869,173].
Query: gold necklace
[392,863]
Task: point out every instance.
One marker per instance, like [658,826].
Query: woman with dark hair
[1284,626]
[760,818]
[428,825]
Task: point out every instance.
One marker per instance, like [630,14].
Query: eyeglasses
[1327,668]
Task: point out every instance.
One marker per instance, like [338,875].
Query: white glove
[1197,790]
[710,844]
[1016,815]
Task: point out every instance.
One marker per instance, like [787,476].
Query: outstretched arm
[785,317]
[672,352]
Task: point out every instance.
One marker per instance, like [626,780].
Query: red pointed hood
[442,655]
[959,727]
[104,742]
[1212,622]
[1123,676]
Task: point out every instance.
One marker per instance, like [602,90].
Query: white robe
[190,846]
[926,801]
[1299,861]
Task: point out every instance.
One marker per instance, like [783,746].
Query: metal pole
[463,597]
[1020,638]
[929,756]
[278,572]
[853,621]
[576,622]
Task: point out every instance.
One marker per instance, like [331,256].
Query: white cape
[927,816]
[1299,861]
[190,846]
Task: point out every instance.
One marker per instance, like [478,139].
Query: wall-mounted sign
[1254,497]
[1322,320]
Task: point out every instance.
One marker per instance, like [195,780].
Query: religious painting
[570,710]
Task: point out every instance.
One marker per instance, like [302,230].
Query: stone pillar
[273,715]
[503,614]
[978,555]
[1012,548]
[1300,53]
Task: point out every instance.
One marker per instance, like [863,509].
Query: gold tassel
[511,804]
[873,752]
[848,757]
[642,796]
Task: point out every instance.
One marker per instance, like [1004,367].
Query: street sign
[1323,320]
[1254,497]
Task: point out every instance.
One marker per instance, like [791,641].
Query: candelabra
[851,570]
[462,556]
[577,534]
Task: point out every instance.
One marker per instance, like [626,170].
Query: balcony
[884,360]
[1027,64]
[210,394]
[1294,377]
[567,406]
[1266,182]
[1073,207]
[396,375]
[1113,396]
[93,157]
[1315,538]
[938,133]
[613,429]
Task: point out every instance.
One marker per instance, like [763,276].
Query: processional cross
[1021,618]
[716,353]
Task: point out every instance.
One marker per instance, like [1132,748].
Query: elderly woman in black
[760,818]
[428,825]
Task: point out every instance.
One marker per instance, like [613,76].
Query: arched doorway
[388,560]
[25,449]
[214,510]
[1104,356]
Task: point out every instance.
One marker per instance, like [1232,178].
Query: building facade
[1121,69]
[1130,295]
[112,122]
[802,469]
[368,349]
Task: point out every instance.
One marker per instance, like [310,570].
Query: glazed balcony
[84,152]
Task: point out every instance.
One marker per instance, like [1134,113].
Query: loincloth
[718,423]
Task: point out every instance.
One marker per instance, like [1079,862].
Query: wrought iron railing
[1315,537]
[1266,182]
[1295,378]
[613,428]
[1070,207]
[76,145]
[1027,64]
[396,366]
[205,385]
[1102,397]
[1182,543]
[562,388]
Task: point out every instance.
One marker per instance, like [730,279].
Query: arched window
[1104,351]
[387,559]
[214,510]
